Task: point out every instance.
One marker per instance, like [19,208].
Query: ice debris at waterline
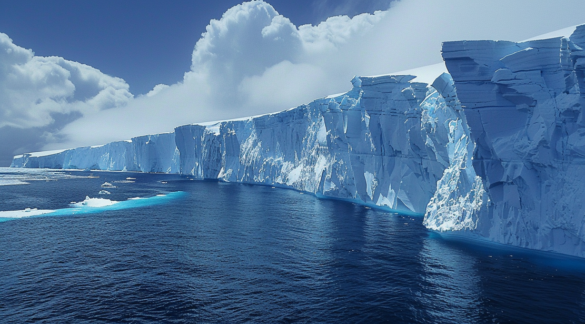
[108,185]
[494,149]
[10,177]
[91,206]
[93,202]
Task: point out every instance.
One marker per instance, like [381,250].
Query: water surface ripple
[239,253]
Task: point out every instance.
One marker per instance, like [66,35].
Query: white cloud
[157,88]
[249,62]
[303,83]
[254,61]
[34,89]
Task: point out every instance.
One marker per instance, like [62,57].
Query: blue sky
[77,73]
[145,42]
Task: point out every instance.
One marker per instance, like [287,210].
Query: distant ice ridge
[150,153]
[495,149]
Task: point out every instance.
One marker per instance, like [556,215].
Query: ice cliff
[380,144]
[495,149]
[524,106]
[151,153]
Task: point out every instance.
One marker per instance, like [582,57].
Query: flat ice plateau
[493,149]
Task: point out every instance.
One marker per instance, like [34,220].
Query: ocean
[206,251]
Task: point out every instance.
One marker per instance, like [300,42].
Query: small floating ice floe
[27,212]
[93,202]
[104,192]
[108,185]
[90,206]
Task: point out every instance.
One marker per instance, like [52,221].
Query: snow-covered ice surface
[494,149]
[426,74]
[564,32]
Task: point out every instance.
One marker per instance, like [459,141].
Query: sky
[144,42]
[75,73]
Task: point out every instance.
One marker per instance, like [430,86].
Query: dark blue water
[239,253]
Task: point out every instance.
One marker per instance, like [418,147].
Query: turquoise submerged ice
[494,149]
[91,206]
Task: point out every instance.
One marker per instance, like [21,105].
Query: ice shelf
[495,148]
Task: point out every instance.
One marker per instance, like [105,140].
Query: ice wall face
[460,196]
[383,143]
[368,145]
[112,156]
[151,153]
[154,153]
[524,107]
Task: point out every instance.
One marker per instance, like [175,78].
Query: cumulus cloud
[253,60]
[157,88]
[42,94]
[34,89]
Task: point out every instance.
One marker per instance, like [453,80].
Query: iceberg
[492,148]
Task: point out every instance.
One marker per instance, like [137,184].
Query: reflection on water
[449,288]
[499,283]
[242,253]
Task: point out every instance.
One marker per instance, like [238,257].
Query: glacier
[492,149]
